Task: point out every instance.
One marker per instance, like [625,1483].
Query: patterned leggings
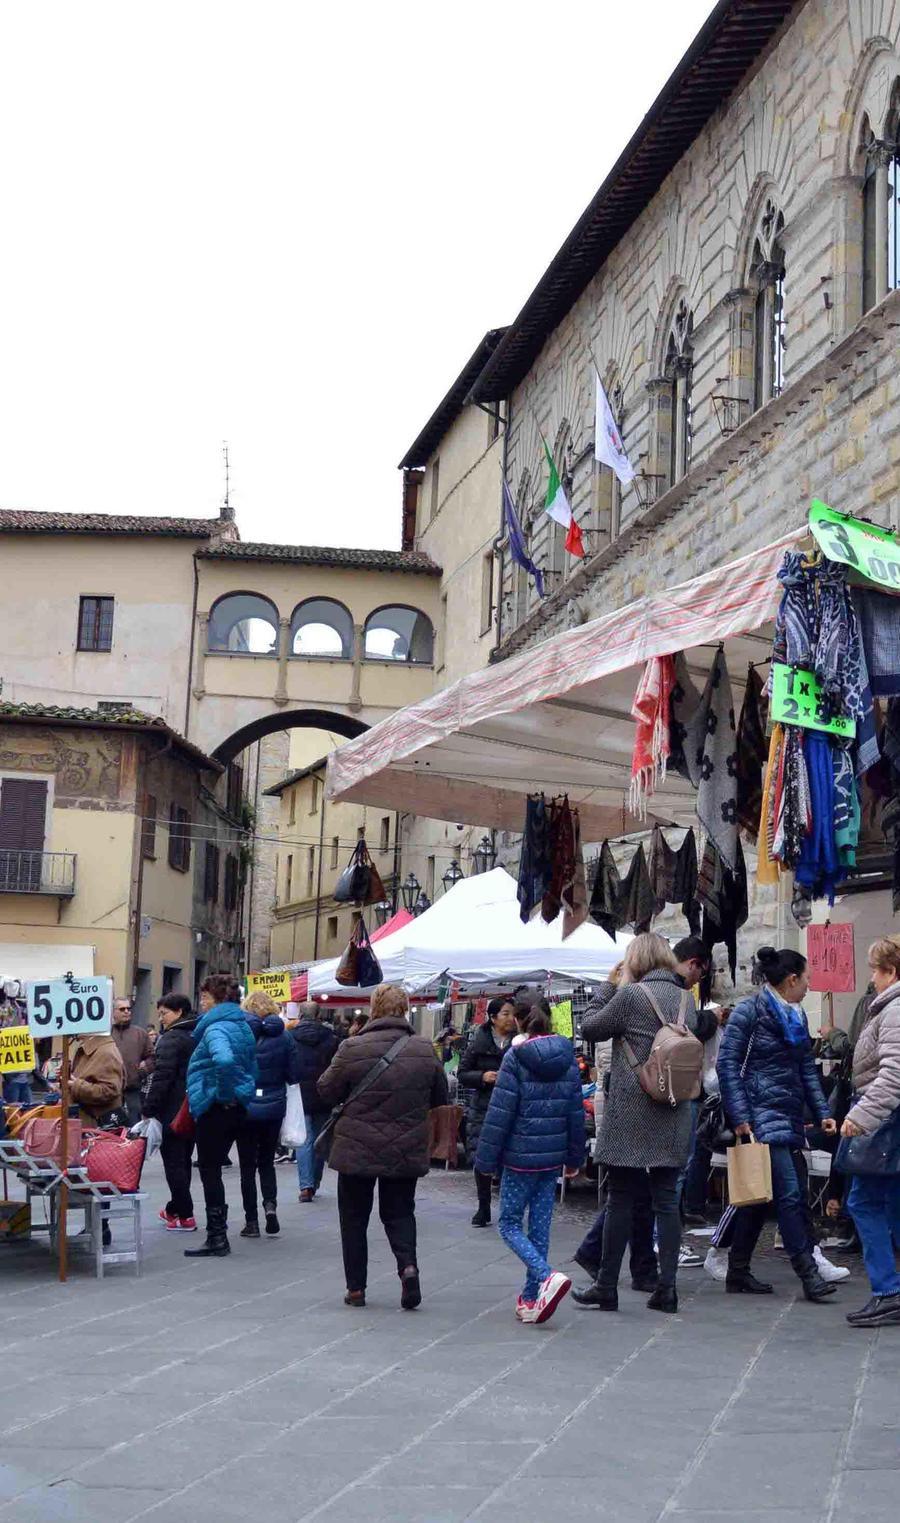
[536,1193]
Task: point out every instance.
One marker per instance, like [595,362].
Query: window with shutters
[234,789]
[211,873]
[179,839]
[335,850]
[23,820]
[232,881]
[95,623]
[148,828]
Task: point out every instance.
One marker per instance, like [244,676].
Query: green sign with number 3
[870,553]
[796,699]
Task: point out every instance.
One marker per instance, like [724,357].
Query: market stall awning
[557,717]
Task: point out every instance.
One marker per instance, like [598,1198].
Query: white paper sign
[70,1007]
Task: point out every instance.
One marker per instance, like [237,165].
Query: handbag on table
[114,1158]
[42,1138]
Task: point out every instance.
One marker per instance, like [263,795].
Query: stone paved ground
[222,1389]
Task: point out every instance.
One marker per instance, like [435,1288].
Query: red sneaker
[525,1310]
[166,1219]
[181,1224]
[551,1293]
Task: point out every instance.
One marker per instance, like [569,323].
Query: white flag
[608,446]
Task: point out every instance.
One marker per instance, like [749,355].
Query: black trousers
[216,1130]
[176,1156]
[643,1259]
[256,1144]
[397,1209]
[625,1188]
[483,1183]
[131,1101]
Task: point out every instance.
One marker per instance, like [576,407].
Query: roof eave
[450,405]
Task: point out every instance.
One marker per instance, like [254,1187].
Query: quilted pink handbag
[41,1138]
[114,1158]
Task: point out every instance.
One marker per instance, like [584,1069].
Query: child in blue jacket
[534,1127]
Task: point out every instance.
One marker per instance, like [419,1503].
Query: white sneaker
[687,1259]
[826,1269]
[716,1264]
[550,1294]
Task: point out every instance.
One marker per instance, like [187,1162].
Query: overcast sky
[285,225]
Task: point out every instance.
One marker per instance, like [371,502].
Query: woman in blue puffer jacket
[278,1066]
[221,1082]
[534,1127]
[768,1079]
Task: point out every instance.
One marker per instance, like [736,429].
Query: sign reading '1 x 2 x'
[872,554]
[797,699]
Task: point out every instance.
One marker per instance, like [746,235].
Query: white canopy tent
[474,936]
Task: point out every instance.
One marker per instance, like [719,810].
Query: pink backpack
[674,1070]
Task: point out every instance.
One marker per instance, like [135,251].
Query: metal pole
[63,1163]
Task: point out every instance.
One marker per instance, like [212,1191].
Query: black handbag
[876,1154]
[322,1144]
[359,968]
[713,1131]
[360,882]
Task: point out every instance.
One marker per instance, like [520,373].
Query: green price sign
[796,699]
[872,554]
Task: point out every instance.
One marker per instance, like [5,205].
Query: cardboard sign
[16,1050]
[70,1007]
[796,699]
[278,985]
[830,957]
[871,553]
[561,1018]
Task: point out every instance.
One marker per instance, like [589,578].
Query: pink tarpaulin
[557,716]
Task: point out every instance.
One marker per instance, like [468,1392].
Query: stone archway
[288,719]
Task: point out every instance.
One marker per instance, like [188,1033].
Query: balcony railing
[37,872]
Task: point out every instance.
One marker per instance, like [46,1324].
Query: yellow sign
[16,1050]
[561,1018]
[274,983]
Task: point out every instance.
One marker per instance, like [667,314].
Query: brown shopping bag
[749,1173]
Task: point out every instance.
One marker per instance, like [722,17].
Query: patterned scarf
[716,760]
[685,701]
[673,876]
[651,710]
[752,751]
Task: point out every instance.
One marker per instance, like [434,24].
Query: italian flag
[557,505]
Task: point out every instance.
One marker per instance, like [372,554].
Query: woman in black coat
[477,1074]
[163,1101]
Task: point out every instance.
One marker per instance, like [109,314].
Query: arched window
[399,634]
[322,627]
[767,282]
[678,372]
[881,206]
[243,623]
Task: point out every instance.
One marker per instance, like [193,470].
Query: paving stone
[765,1469]
[874,1448]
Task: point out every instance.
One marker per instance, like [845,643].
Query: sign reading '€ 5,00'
[872,554]
[70,1007]
[797,699]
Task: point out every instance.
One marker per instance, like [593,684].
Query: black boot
[216,1245]
[814,1287]
[250,1227]
[597,1298]
[482,1217]
[272,1226]
[664,1298]
[740,1282]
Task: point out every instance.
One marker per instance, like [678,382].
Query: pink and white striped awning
[557,717]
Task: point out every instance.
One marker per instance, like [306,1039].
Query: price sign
[278,985]
[872,554]
[797,699]
[16,1050]
[830,959]
[70,1007]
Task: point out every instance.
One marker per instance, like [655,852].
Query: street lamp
[485,855]
[382,911]
[422,904]
[452,876]
[409,892]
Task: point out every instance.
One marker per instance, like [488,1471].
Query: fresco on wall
[85,767]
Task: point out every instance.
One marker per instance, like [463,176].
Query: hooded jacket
[535,1119]
[778,1082]
[316,1045]
[97,1082]
[385,1131]
[876,1062]
[276,1067]
[167,1083]
[222,1069]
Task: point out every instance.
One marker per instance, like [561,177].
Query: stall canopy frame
[557,717]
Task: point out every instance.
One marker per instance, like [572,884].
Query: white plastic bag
[293,1127]
[151,1130]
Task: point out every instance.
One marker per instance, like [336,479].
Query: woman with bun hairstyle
[874,1199]
[767,1077]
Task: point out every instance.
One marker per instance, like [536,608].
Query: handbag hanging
[360,882]
[874,1154]
[359,968]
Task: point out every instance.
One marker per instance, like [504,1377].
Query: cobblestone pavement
[217,1389]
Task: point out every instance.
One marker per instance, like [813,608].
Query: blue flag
[517,542]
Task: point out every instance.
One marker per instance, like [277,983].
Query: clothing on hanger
[683,706]
[752,751]
[604,906]
[574,891]
[716,752]
[817,868]
[636,899]
[673,876]
[562,857]
[651,711]
[534,858]
[723,895]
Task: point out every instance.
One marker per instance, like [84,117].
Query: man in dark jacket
[382,1137]
[163,1101]
[477,1075]
[316,1045]
[135,1050]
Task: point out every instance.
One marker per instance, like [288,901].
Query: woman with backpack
[534,1126]
[768,1079]
[641,1136]
[278,1065]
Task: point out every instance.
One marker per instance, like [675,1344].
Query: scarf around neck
[791,1018]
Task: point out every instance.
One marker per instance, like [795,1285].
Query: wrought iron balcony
[37,872]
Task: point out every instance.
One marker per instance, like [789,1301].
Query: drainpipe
[190,671]
[319,878]
[395,898]
[496,646]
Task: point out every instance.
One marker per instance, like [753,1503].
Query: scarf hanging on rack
[574,891]
[716,755]
[890,819]
[683,706]
[723,895]
[673,876]
[534,858]
[795,621]
[817,869]
[793,806]
[604,908]
[752,751]
[846,806]
[766,866]
[651,710]
[636,899]
[616,901]
[562,857]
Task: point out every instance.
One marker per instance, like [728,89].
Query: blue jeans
[17,1089]
[874,1204]
[791,1207]
[536,1193]
[310,1167]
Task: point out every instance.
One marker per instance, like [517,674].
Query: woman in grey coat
[639,1137]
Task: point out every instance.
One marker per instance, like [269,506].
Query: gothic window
[881,207]
[767,282]
[679,377]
